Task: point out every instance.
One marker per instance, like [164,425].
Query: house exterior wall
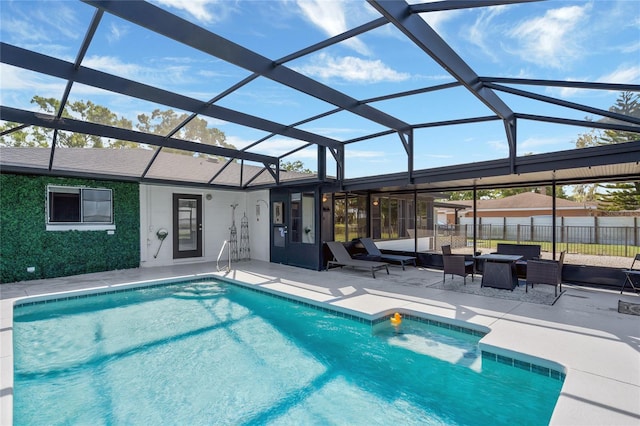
[156,204]
[26,245]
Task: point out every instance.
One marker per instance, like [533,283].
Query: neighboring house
[525,204]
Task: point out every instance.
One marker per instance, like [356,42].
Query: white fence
[578,234]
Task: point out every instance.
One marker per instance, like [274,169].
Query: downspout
[415,221]
[553,218]
[475,247]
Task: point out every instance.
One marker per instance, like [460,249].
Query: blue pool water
[205,353]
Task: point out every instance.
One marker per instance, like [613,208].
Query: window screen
[68,205]
[96,206]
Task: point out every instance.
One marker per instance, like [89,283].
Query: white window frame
[81,225]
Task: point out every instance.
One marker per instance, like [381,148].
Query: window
[302,218]
[71,207]
[350,217]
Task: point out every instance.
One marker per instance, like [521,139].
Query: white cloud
[361,154]
[567,92]
[624,74]
[236,141]
[64,23]
[113,65]
[328,15]
[176,73]
[202,10]
[633,46]
[24,30]
[537,144]
[499,146]
[331,17]
[552,40]
[482,28]
[337,132]
[21,86]
[116,32]
[350,68]
[275,146]
[34,27]
[436,20]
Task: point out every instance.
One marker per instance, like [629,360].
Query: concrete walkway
[582,334]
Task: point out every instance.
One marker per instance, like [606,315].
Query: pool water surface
[207,352]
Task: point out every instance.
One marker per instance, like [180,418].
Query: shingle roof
[527,200]
[131,163]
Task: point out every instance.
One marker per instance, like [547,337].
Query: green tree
[482,194]
[620,195]
[13,134]
[628,103]
[490,194]
[165,123]
[159,122]
[586,192]
[34,136]
[592,138]
[294,166]
[84,111]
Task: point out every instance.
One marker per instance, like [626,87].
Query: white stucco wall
[156,212]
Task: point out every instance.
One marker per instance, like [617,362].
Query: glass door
[279,227]
[187,226]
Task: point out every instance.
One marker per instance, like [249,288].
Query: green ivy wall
[24,241]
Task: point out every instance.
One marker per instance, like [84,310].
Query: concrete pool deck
[582,333]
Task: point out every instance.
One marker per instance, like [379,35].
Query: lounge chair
[341,257]
[373,250]
[545,272]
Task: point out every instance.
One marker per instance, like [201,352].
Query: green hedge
[25,242]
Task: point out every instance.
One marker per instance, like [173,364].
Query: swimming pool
[208,352]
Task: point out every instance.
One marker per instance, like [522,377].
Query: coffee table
[499,270]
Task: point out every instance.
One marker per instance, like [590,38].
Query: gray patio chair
[341,257]
[373,250]
[469,265]
[455,264]
[545,272]
[632,275]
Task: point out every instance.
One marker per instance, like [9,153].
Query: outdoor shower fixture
[233,235]
[161,234]
[258,208]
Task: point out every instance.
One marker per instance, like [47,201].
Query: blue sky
[563,40]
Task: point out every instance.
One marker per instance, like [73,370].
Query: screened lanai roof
[365,95]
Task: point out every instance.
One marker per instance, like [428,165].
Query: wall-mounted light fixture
[376,201]
[324,198]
